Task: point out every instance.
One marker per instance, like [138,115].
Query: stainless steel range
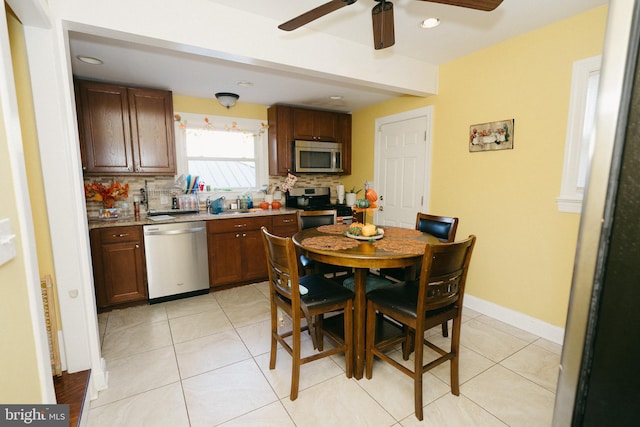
[317,199]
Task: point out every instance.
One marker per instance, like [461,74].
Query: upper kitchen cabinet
[280,139]
[314,125]
[125,130]
[287,124]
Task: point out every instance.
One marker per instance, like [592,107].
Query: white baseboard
[514,318]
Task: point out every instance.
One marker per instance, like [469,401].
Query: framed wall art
[491,136]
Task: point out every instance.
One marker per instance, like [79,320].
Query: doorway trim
[426,112]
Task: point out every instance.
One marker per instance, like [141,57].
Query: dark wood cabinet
[280,140]
[315,125]
[284,225]
[118,265]
[344,136]
[287,124]
[125,130]
[236,251]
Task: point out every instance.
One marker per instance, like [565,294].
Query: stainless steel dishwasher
[176,259]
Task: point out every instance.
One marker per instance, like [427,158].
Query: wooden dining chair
[310,219]
[442,227]
[419,305]
[304,297]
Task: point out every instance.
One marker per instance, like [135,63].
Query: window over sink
[225,152]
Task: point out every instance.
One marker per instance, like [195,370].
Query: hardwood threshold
[71,389]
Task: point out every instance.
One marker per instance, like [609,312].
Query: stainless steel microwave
[312,156]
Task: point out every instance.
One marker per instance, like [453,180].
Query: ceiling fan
[382,16]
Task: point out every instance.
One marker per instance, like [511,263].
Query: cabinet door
[313,125]
[325,126]
[253,257]
[280,140]
[344,136]
[225,258]
[123,272]
[118,265]
[153,141]
[106,131]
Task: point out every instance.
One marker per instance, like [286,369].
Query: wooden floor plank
[71,390]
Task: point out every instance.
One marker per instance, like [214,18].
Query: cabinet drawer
[237,224]
[289,220]
[120,234]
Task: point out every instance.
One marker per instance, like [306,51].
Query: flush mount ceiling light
[430,23]
[227,99]
[89,60]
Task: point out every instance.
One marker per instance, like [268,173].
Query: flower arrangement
[106,194]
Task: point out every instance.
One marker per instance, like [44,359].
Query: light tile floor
[204,361]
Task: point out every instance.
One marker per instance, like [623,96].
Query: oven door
[323,157]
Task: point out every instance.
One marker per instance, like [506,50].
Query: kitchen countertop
[202,216]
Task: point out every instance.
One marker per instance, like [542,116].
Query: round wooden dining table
[396,247]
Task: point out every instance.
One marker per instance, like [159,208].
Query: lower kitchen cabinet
[236,251]
[118,265]
[284,225]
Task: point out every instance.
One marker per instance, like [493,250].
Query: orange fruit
[371,195]
[369,230]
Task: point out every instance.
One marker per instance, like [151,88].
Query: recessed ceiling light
[336,97]
[245,83]
[89,60]
[430,23]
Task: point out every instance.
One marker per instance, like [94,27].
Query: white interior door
[402,167]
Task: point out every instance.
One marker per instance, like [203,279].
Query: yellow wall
[19,381]
[524,255]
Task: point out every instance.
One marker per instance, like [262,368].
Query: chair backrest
[443,227]
[444,273]
[283,267]
[309,219]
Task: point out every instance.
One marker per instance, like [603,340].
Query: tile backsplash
[161,189]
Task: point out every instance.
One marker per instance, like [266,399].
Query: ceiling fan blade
[383,31]
[314,14]
[486,5]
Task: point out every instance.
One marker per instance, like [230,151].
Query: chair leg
[318,330]
[295,362]
[455,348]
[417,375]
[274,332]
[445,329]
[348,338]
[370,336]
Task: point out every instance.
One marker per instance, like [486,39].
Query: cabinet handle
[237,235]
[286,221]
[244,234]
[121,235]
[240,225]
[137,246]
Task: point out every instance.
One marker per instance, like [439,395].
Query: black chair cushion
[438,229]
[322,291]
[402,297]
[373,283]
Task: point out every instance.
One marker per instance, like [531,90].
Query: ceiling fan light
[430,23]
[227,99]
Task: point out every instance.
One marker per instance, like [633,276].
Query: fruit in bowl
[369,230]
[366,230]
